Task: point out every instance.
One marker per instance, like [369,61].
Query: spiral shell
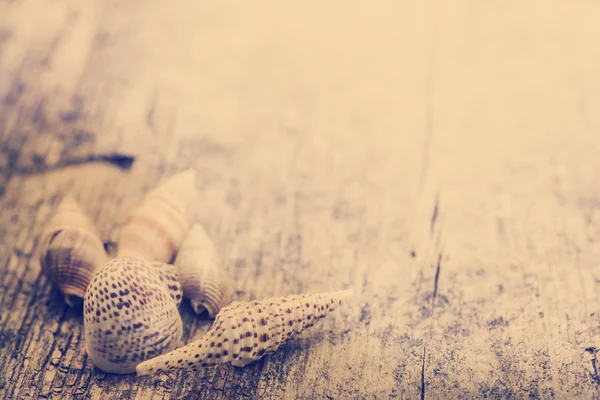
[71,250]
[155,229]
[204,282]
[130,313]
[244,332]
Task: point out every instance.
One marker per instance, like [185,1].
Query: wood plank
[441,160]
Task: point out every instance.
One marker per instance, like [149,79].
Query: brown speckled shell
[244,332]
[71,250]
[155,229]
[202,277]
[130,313]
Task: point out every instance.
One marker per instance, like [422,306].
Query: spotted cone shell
[130,313]
[204,281]
[244,332]
[71,250]
[155,229]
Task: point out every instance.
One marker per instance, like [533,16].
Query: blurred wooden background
[441,158]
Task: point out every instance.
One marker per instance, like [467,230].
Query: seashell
[155,229]
[244,332]
[130,313]
[71,250]
[203,280]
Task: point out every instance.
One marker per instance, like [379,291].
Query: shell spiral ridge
[204,281]
[71,250]
[155,229]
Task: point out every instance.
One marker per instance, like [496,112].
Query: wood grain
[440,159]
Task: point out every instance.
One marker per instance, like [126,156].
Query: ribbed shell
[71,251]
[130,313]
[155,229]
[204,281]
[244,332]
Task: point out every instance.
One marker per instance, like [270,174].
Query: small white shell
[71,250]
[155,229]
[130,313]
[204,281]
[244,332]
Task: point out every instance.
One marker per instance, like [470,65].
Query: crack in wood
[436,279]
[423,373]
[436,282]
[433,297]
[434,215]
[593,351]
[122,161]
[595,376]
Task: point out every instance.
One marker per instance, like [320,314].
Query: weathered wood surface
[441,158]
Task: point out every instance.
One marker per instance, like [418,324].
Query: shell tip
[181,186]
[142,369]
[68,203]
[198,232]
[185,178]
[189,173]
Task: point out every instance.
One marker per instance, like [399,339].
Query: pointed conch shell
[244,332]
[203,279]
[130,313]
[155,229]
[71,250]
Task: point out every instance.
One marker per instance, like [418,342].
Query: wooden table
[440,158]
